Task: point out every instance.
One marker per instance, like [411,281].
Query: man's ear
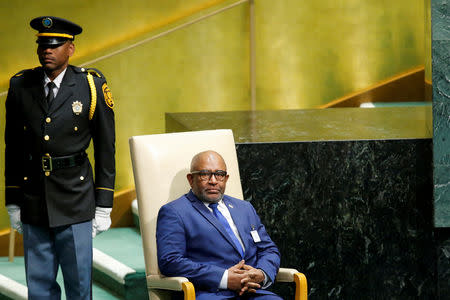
[71,49]
[190,178]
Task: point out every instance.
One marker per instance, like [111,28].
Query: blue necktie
[227,227]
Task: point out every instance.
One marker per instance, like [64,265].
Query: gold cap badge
[47,22]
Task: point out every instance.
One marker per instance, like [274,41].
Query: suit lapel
[65,90]
[207,214]
[239,219]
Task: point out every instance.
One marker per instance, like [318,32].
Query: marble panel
[354,216]
[440,18]
[332,124]
[441,129]
[443,264]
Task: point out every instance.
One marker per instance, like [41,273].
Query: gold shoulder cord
[90,79]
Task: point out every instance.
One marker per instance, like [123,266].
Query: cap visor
[50,41]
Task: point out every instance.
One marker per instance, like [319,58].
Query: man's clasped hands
[244,278]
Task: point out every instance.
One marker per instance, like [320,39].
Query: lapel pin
[77,107]
[230,206]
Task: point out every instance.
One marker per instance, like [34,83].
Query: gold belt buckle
[47,165]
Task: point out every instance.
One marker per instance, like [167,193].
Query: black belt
[61,162]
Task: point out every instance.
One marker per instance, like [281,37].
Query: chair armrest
[166,283]
[173,284]
[301,284]
[285,275]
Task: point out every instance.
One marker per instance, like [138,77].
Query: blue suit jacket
[192,243]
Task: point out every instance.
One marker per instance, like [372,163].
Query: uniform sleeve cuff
[13,195]
[104,197]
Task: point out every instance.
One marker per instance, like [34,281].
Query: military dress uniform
[47,171]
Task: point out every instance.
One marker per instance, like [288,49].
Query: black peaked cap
[54,30]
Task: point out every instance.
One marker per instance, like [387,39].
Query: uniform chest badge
[77,107]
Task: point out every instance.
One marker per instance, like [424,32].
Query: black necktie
[50,95]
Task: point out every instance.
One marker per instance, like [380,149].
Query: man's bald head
[208,155]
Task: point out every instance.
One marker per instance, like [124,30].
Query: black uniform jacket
[35,129]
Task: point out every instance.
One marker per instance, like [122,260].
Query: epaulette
[92,71]
[21,73]
[95,72]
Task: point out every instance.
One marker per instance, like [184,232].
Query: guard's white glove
[102,220]
[14,217]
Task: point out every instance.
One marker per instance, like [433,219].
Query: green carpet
[16,271]
[124,245]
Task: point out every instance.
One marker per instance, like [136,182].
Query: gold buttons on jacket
[46,137]
[47,173]
[24,127]
[48,120]
[81,177]
[75,128]
[25,178]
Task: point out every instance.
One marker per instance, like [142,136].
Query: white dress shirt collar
[57,80]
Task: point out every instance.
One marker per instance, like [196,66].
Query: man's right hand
[14,217]
[235,276]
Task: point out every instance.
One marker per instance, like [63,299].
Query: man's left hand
[252,281]
[255,275]
[102,220]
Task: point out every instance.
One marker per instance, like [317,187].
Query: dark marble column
[440,18]
[440,25]
[354,216]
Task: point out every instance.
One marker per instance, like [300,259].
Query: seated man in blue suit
[216,241]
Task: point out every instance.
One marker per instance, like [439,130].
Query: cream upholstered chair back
[160,165]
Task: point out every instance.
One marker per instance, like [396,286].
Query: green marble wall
[440,16]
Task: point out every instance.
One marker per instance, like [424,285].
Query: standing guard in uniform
[52,113]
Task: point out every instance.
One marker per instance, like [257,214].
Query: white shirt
[57,81]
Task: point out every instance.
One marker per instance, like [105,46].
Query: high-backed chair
[160,164]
